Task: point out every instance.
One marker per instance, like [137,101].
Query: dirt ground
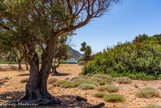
[12,89]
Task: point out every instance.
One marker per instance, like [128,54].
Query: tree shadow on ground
[60,74]
[24,75]
[68,101]
[11,96]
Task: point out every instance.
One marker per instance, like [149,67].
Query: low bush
[24,80]
[123,80]
[101,88]
[100,94]
[105,77]
[87,86]
[147,92]
[112,88]
[58,83]
[102,83]
[67,85]
[114,98]
[80,81]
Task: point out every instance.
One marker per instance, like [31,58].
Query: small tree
[61,55]
[87,51]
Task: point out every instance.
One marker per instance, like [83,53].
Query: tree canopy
[27,24]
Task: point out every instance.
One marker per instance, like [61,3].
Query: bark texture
[36,88]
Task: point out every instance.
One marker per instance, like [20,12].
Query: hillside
[74,53]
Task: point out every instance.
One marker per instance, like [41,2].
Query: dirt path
[13,90]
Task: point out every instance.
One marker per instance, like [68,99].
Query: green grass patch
[101,88]
[87,86]
[80,81]
[114,98]
[147,92]
[105,77]
[100,94]
[112,88]
[67,85]
[58,83]
[69,63]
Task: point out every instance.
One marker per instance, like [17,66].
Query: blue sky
[124,21]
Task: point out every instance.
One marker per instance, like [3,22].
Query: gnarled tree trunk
[36,88]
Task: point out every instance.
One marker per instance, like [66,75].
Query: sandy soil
[12,90]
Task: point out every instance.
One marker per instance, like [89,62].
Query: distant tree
[59,57]
[31,23]
[87,51]
[62,53]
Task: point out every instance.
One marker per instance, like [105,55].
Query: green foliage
[67,85]
[139,59]
[114,98]
[86,86]
[109,88]
[123,80]
[58,83]
[101,88]
[69,63]
[100,94]
[105,77]
[80,81]
[147,92]
[112,88]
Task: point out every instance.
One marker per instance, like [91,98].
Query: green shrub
[95,79]
[105,77]
[24,80]
[123,80]
[101,88]
[138,59]
[67,85]
[58,83]
[81,81]
[87,86]
[112,88]
[100,94]
[114,98]
[102,83]
[147,92]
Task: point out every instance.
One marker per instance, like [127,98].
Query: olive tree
[31,23]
